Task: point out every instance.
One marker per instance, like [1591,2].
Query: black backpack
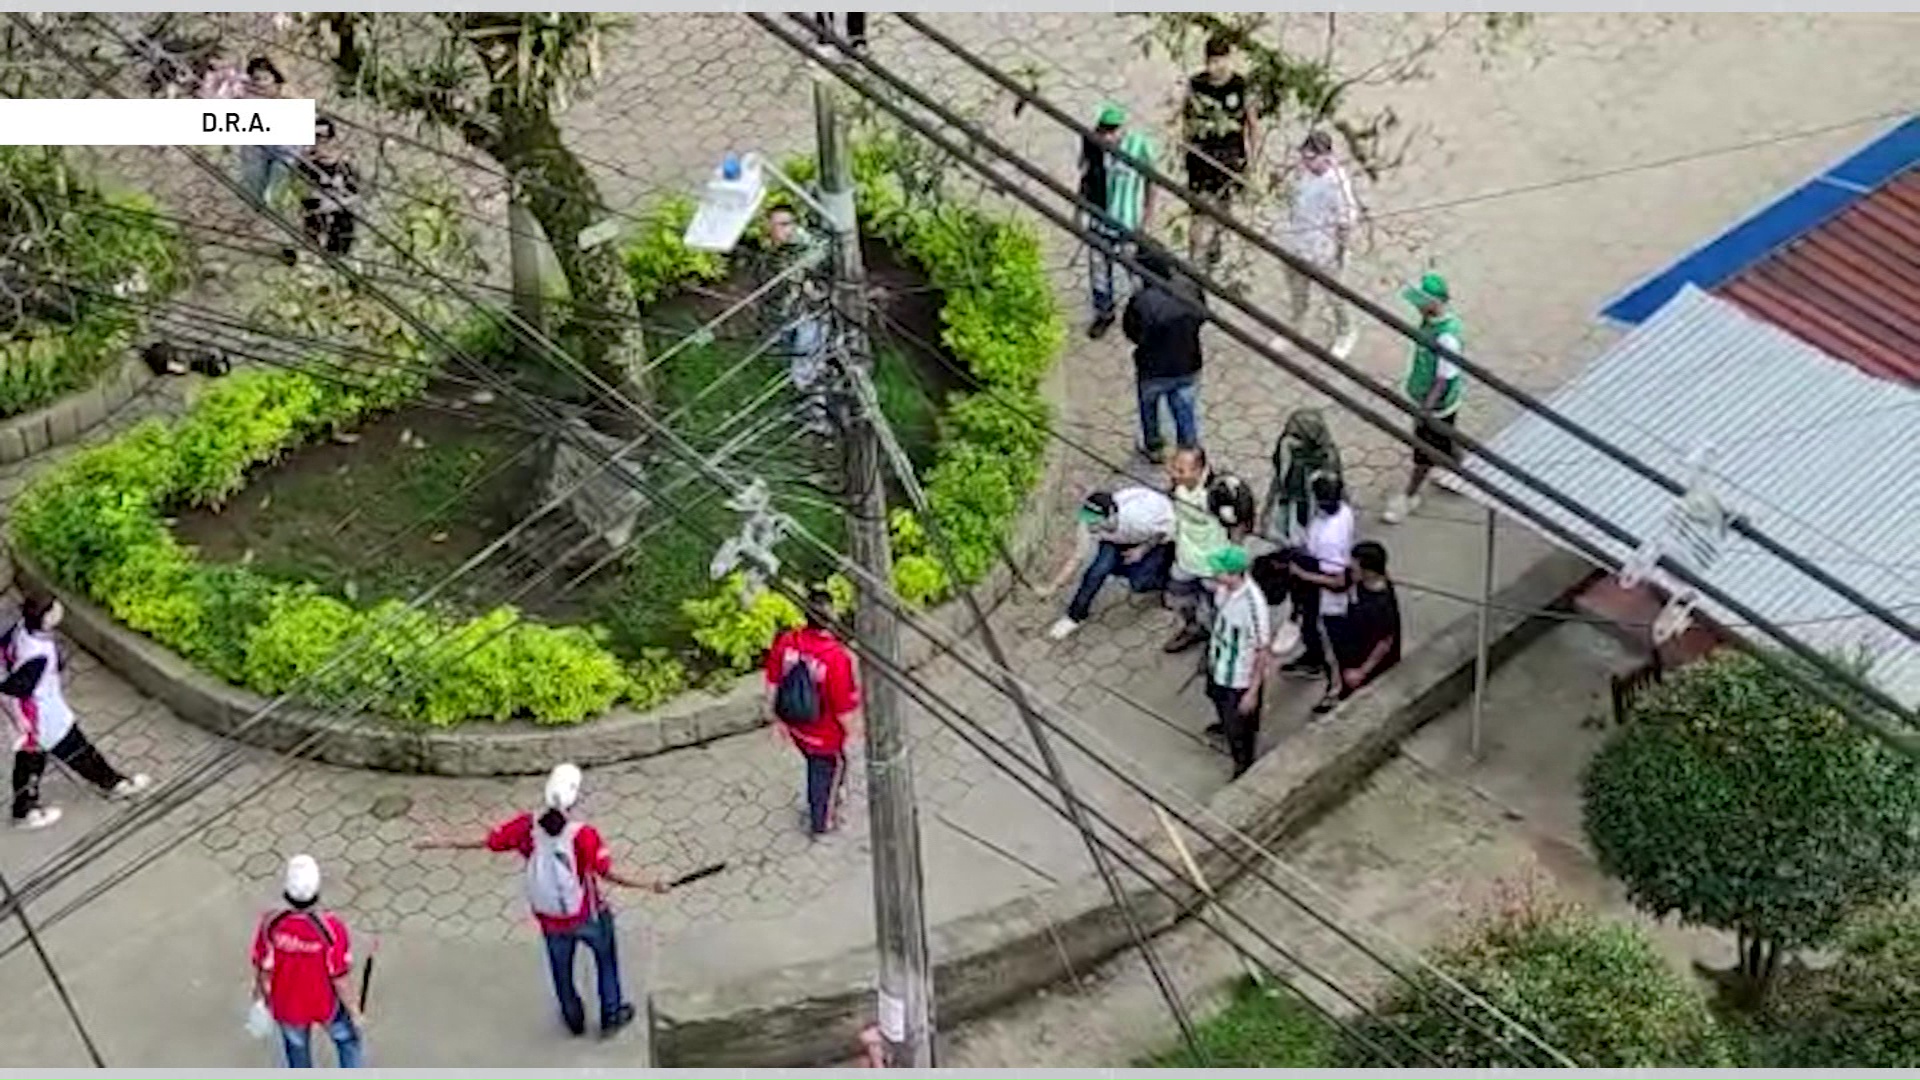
[797,699]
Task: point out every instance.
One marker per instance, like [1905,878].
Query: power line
[1333,285]
[1814,660]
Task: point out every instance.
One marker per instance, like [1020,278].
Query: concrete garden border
[519,748]
[808,1014]
[72,416]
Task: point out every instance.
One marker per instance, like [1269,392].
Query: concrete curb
[368,741]
[808,1014]
[72,416]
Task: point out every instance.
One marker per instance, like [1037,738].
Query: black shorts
[1216,175]
[1429,432]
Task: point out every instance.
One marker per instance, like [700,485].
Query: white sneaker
[1286,639]
[1398,508]
[1342,346]
[131,786]
[38,818]
[1062,629]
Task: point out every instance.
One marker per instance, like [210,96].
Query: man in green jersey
[1110,179]
[1434,384]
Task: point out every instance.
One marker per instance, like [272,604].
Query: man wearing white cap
[566,861]
[302,957]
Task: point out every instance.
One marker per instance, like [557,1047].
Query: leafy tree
[1735,799]
[1596,990]
[499,80]
[1864,1010]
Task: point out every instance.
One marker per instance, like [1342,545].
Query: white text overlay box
[156,122]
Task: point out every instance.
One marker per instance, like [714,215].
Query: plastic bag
[260,1023]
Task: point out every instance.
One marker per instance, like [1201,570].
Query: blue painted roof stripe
[1776,224]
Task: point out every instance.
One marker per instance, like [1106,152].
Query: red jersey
[832,673]
[590,860]
[301,961]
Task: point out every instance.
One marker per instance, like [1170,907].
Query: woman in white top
[1317,572]
[38,707]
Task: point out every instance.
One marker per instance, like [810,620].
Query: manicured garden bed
[171,527]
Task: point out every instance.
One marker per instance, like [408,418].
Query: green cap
[1232,559]
[1432,287]
[1112,115]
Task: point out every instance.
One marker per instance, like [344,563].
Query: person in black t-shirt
[1218,124]
[1366,640]
[332,197]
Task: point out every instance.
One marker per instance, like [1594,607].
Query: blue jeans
[597,935]
[261,168]
[297,1040]
[824,777]
[1148,574]
[1100,276]
[1182,394]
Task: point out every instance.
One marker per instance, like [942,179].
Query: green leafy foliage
[95,524]
[109,253]
[1736,799]
[737,625]
[1596,989]
[1258,1029]
[656,258]
[1863,1011]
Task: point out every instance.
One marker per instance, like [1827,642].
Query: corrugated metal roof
[1818,455]
[1777,224]
[1851,285]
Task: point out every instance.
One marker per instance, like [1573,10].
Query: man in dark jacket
[1163,321]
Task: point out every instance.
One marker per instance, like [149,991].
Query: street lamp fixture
[733,196]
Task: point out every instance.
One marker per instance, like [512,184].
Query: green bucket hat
[1432,287]
[1112,115]
[1230,560]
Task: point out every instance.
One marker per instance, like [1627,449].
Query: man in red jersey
[566,862]
[811,691]
[301,959]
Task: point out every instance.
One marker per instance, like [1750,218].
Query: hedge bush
[111,251]
[1862,1012]
[1597,990]
[96,524]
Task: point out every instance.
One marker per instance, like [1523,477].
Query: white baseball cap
[303,879]
[563,787]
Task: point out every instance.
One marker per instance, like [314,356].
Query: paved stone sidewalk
[159,962]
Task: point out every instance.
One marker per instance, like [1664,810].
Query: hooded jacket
[1164,324]
[1304,451]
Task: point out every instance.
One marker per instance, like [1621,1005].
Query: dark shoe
[1217,728]
[621,1018]
[1187,638]
[577,1029]
[1098,328]
[1156,455]
[1326,705]
[1303,669]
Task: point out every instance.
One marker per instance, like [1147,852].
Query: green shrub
[656,258]
[1258,1029]
[112,250]
[1738,800]
[738,627]
[1863,1012]
[1597,990]
[94,523]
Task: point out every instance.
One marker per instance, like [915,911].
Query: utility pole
[523,247]
[905,998]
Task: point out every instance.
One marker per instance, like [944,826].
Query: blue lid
[730,167]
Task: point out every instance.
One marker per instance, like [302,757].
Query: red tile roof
[1849,286]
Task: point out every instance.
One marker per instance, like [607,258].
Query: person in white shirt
[38,706]
[1321,220]
[1317,573]
[1237,654]
[1128,533]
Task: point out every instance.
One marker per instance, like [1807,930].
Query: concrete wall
[808,1014]
[67,419]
